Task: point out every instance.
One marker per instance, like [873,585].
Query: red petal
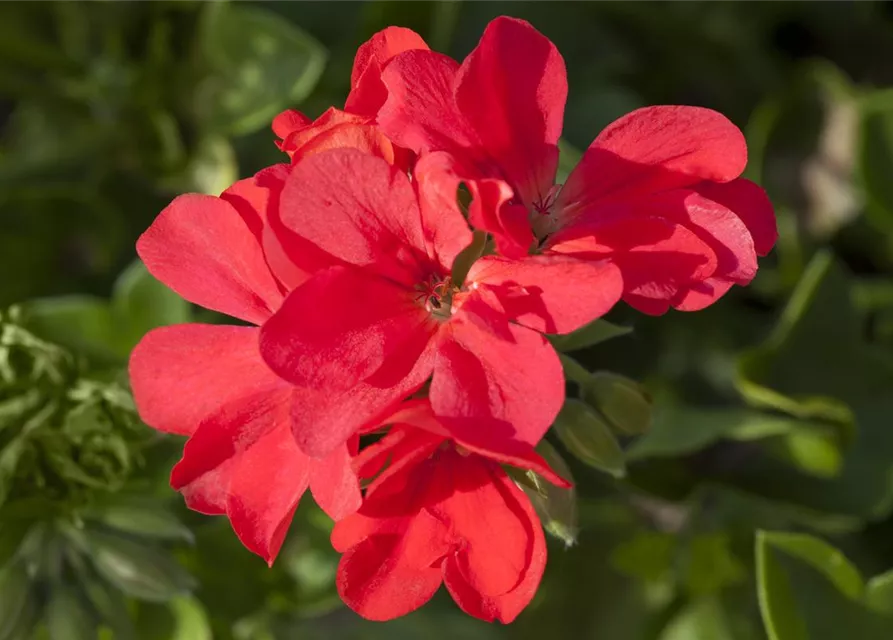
[201,248]
[256,199]
[492,209]
[368,92]
[494,550]
[230,431]
[512,89]
[657,257]
[334,484]
[266,484]
[544,292]
[491,372]
[289,121]
[507,606]
[387,576]
[437,183]
[655,149]
[183,373]
[750,203]
[702,294]
[360,209]
[322,420]
[242,459]
[419,415]
[340,327]
[420,112]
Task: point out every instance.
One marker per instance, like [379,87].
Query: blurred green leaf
[140,303]
[879,593]
[809,590]
[110,604]
[586,435]
[81,323]
[141,517]
[624,402]
[825,558]
[261,65]
[137,569]
[777,604]
[66,617]
[594,333]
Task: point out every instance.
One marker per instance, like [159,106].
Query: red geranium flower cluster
[374,308]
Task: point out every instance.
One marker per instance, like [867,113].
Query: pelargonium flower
[442,512]
[658,192]
[386,315]
[209,382]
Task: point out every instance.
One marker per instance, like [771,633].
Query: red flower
[658,192]
[386,316]
[209,382]
[355,125]
[442,512]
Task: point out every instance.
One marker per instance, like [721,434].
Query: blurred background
[754,502]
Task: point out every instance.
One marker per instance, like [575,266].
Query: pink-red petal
[340,327]
[655,149]
[201,248]
[359,209]
[512,89]
[420,112]
[749,202]
[367,92]
[181,374]
[550,293]
[494,373]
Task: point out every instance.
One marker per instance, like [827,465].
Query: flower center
[436,295]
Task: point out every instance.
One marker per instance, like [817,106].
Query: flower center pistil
[436,295]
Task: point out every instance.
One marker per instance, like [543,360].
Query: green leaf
[809,590]
[585,434]
[594,333]
[14,596]
[778,606]
[138,570]
[624,402]
[556,506]
[825,558]
[141,518]
[110,604]
[66,618]
[84,324]
[140,303]
[261,64]
[879,593]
